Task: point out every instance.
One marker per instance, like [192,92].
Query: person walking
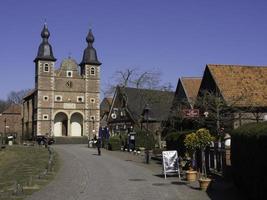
[98,145]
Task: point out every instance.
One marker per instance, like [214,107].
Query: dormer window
[46,67]
[69,73]
[92,71]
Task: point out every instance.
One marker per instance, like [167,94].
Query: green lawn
[26,166]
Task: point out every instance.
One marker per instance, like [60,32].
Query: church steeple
[45,51]
[89,54]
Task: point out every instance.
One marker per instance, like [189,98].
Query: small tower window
[45,98]
[45,117]
[92,100]
[58,98]
[92,71]
[69,73]
[92,117]
[80,99]
[46,67]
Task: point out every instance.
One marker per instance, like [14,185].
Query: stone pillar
[69,127]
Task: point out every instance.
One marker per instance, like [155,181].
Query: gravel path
[85,175]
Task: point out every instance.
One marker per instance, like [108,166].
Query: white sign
[69,106]
[170,162]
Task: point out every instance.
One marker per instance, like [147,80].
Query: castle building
[66,101]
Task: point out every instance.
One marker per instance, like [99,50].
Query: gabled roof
[30,94]
[158,101]
[109,100]
[245,85]
[191,86]
[106,104]
[13,109]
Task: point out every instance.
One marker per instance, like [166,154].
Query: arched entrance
[76,124]
[61,124]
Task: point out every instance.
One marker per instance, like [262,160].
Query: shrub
[114,143]
[248,151]
[144,139]
[175,141]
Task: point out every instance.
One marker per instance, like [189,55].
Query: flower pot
[191,175]
[204,183]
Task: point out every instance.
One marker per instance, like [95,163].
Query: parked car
[44,140]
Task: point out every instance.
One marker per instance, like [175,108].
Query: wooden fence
[218,159]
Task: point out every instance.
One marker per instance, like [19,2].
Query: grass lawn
[26,166]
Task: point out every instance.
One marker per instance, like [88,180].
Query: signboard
[170,162]
[69,106]
[191,113]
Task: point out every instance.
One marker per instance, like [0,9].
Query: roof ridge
[146,89]
[191,77]
[237,65]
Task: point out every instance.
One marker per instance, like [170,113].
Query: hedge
[114,143]
[248,158]
[144,139]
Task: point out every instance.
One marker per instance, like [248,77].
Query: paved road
[85,175]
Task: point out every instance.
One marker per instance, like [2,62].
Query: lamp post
[146,112]
[4,131]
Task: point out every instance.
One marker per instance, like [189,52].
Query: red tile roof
[241,85]
[191,86]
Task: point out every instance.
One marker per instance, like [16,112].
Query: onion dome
[89,54]
[45,51]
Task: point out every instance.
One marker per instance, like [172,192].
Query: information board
[170,162]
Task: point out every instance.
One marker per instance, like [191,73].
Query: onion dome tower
[89,54]
[45,51]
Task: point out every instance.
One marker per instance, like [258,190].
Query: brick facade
[10,121]
[65,101]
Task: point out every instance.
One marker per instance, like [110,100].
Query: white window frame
[45,117]
[81,98]
[56,96]
[71,73]
[92,68]
[44,98]
[46,65]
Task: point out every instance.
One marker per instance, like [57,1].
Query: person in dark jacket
[98,145]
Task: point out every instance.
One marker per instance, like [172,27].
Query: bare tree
[132,77]
[16,97]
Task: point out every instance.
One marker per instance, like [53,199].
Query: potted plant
[204,139]
[191,144]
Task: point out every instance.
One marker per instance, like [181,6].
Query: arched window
[46,67]
[69,73]
[92,71]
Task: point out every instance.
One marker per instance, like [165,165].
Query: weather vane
[69,54]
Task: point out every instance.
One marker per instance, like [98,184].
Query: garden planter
[204,183]
[191,175]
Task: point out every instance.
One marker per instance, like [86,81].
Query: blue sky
[176,37]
